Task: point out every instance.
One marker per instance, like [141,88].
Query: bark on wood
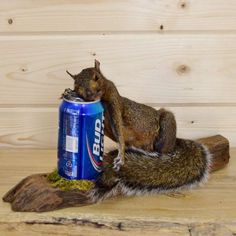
[34,193]
[218,146]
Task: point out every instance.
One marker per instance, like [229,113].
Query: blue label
[80,140]
[95,141]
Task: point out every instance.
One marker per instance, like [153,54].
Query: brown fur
[186,166]
[127,122]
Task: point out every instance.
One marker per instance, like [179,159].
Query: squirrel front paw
[118,162]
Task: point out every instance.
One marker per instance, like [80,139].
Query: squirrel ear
[73,76]
[97,65]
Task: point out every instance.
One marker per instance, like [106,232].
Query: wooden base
[34,193]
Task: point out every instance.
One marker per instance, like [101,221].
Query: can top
[72,97]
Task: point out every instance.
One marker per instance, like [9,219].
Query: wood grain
[207,210]
[37,127]
[172,68]
[110,15]
[85,229]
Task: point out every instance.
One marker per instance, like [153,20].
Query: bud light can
[80,138]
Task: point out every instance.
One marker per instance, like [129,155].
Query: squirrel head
[88,84]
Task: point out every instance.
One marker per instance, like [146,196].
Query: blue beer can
[80,139]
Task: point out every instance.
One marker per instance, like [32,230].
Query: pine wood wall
[171,53]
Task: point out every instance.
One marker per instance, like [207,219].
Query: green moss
[64,184]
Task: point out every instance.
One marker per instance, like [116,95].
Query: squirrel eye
[95,78]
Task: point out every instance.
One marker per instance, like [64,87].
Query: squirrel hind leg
[166,140]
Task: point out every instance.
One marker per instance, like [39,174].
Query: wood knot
[182,4]
[23,68]
[10,21]
[161,27]
[182,69]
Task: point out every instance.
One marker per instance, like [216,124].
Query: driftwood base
[34,193]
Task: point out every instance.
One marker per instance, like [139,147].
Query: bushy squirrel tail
[148,173]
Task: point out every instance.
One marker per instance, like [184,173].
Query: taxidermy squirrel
[129,123]
[150,158]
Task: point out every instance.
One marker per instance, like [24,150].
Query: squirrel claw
[117,163]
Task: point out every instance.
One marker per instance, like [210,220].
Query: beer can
[80,138]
